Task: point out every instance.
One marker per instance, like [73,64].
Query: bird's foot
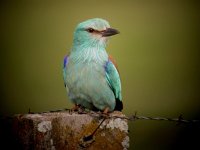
[75,108]
[116,112]
[105,113]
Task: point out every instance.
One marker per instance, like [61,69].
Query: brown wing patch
[114,62]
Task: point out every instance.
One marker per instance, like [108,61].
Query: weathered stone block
[63,131]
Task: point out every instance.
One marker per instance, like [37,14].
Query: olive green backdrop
[157,53]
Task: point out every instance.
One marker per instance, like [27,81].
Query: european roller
[90,75]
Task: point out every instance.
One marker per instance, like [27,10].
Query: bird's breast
[85,75]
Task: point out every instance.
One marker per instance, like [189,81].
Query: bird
[91,76]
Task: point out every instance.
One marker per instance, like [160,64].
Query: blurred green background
[157,51]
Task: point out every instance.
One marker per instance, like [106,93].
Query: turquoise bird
[90,75]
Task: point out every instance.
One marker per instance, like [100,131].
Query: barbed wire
[135,117]
[178,120]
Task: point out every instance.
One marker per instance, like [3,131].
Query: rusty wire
[133,117]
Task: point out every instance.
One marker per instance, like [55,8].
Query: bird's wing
[65,69]
[113,79]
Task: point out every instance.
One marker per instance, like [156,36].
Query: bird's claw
[105,113]
[75,108]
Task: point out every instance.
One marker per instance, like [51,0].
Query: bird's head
[93,32]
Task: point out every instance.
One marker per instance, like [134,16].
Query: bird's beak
[109,32]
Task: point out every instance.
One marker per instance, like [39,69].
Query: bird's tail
[119,105]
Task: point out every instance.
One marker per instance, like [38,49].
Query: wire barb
[179,120]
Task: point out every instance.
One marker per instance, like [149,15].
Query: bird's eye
[90,30]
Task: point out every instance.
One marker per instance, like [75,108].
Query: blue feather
[113,79]
[64,69]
